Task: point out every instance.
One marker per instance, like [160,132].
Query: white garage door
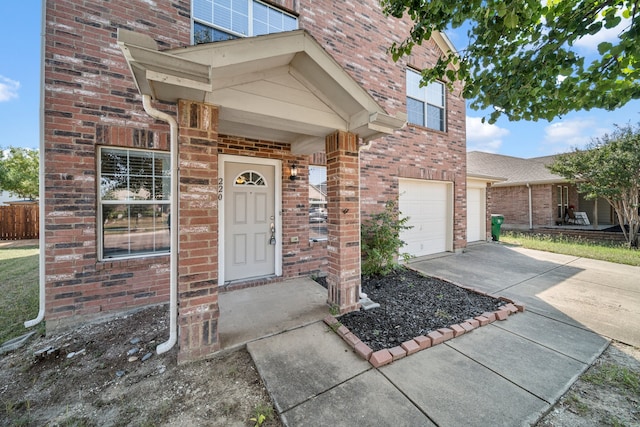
[429,206]
[476,219]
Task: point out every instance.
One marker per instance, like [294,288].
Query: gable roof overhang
[486,178]
[280,87]
[515,171]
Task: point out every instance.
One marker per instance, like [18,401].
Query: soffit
[282,87]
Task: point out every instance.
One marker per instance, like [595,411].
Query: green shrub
[380,240]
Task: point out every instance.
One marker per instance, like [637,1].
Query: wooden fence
[19,222]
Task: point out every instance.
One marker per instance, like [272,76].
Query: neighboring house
[6,198]
[129,97]
[318,197]
[529,195]
[478,213]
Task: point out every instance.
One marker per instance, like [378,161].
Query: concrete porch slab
[253,313]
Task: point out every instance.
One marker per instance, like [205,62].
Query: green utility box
[496,222]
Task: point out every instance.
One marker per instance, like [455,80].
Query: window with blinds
[133,202]
[217,20]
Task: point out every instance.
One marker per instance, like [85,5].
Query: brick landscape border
[422,342]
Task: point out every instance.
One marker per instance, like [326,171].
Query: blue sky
[20,92]
[20,73]
[533,139]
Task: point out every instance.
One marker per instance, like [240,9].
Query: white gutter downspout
[363,299]
[361,295]
[41,271]
[530,209]
[173,223]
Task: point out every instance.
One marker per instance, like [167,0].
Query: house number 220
[220,188]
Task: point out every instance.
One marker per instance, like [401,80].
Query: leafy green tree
[609,167]
[19,172]
[521,58]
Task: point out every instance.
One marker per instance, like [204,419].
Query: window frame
[424,98]
[318,218]
[165,202]
[234,34]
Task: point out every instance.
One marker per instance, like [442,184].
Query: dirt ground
[608,394]
[99,375]
[95,376]
[108,374]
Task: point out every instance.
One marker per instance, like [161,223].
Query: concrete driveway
[503,374]
[600,296]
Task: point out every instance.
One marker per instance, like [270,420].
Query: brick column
[343,203]
[198,310]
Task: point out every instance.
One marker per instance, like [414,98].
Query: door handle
[272,240]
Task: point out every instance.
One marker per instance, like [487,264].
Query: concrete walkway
[506,373]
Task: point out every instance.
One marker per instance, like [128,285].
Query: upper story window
[133,202]
[216,20]
[426,104]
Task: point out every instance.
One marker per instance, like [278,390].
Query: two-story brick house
[182,125]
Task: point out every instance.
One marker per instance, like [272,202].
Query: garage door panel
[476,219]
[428,204]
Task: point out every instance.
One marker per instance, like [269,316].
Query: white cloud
[565,135]
[8,89]
[484,136]
[591,43]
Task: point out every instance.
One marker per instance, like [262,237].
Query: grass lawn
[18,290]
[612,252]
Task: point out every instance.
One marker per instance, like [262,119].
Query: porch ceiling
[282,87]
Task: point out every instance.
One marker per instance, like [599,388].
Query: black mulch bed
[411,305]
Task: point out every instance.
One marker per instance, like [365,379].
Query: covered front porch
[258,105]
[250,314]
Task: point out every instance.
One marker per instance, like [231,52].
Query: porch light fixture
[294,173]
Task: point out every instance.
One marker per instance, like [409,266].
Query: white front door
[251,230]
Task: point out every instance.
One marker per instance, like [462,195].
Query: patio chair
[570,216]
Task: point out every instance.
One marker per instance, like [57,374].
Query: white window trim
[228,30]
[101,203]
[425,102]
[324,238]
[277,164]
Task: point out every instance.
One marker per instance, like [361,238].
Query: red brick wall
[90,100]
[299,258]
[198,310]
[343,276]
[357,35]
[513,203]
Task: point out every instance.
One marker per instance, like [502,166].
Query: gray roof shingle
[515,170]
